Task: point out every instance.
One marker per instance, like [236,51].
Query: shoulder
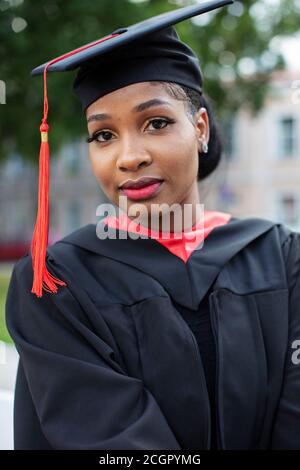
[22,270]
[84,236]
[264,226]
[21,302]
[256,235]
[287,239]
[266,253]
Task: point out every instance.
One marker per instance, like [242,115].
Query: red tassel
[42,279]
[41,276]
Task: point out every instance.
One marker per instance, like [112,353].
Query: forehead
[131,95]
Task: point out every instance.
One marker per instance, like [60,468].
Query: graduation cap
[146,51]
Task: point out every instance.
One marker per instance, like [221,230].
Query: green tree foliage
[227,41]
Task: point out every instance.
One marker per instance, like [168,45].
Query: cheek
[101,168]
[181,152]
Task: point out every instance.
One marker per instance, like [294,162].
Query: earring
[204,146]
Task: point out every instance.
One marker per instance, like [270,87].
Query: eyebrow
[137,109]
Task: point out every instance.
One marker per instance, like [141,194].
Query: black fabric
[200,324]
[28,434]
[109,362]
[155,57]
[129,35]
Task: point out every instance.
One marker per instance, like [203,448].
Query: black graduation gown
[109,362]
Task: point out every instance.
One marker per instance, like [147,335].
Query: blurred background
[250,58]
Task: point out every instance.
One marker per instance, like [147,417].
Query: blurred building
[260,174]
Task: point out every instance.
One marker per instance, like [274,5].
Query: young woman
[157,340]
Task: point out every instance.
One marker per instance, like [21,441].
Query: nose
[132,156]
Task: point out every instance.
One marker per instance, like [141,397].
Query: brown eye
[159,123]
[96,135]
[104,134]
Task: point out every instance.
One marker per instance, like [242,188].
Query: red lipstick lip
[143,193]
[141,183]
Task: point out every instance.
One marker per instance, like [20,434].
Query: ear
[202,127]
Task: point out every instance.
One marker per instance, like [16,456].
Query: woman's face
[137,136]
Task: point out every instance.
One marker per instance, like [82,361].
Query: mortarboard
[148,50]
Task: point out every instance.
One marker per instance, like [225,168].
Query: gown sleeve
[82,396]
[286,429]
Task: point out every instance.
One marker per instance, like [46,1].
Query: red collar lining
[182,244]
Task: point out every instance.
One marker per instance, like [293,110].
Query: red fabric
[41,276]
[181,244]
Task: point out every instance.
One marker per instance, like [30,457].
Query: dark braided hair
[209,161]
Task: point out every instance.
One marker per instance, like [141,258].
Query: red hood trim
[181,244]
